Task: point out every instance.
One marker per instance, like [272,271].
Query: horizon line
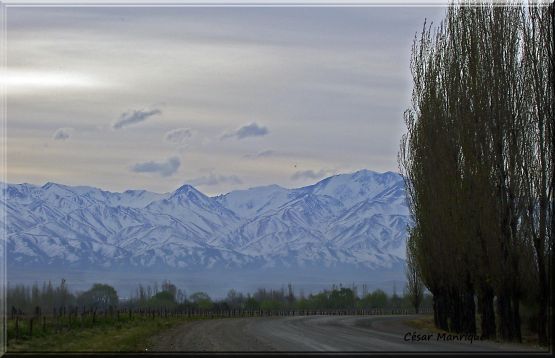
[187,184]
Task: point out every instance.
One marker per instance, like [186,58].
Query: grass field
[109,336]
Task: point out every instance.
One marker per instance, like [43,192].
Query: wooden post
[16,327]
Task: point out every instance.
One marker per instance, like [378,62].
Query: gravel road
[310,333]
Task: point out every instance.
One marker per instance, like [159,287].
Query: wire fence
[25,325]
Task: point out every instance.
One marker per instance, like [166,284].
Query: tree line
[47,299]
[477,159]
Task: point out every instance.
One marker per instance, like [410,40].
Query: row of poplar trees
[477,160]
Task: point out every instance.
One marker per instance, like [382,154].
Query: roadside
[216,335]
[425,323]
[122,336]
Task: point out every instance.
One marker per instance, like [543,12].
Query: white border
[3,180]
[165,3]
[269,3]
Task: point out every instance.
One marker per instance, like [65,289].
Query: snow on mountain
[353,188]
[355,219]
[199,211]
[129,198]
[255,201]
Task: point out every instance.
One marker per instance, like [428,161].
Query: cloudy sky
[219,97]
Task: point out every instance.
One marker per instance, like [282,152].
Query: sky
[222,98]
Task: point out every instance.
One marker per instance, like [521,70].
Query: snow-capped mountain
[357,219]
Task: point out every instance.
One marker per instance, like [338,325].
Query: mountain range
[358,219]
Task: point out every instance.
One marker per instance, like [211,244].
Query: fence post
[16,327]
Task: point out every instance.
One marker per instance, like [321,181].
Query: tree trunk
[485,302]
[516,319]
[505,316]
[469,311]
[440,312]
[455,310]
[543,294]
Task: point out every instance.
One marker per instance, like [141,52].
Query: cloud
[311,174]
[215,179]
[178,136]
[263,154]
[62,133]
[165,169]
[133,117]
[249,130]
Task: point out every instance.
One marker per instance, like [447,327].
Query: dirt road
[311,333]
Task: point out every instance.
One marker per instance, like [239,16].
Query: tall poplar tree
[477,160]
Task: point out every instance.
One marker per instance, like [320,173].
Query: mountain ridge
[354,219]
